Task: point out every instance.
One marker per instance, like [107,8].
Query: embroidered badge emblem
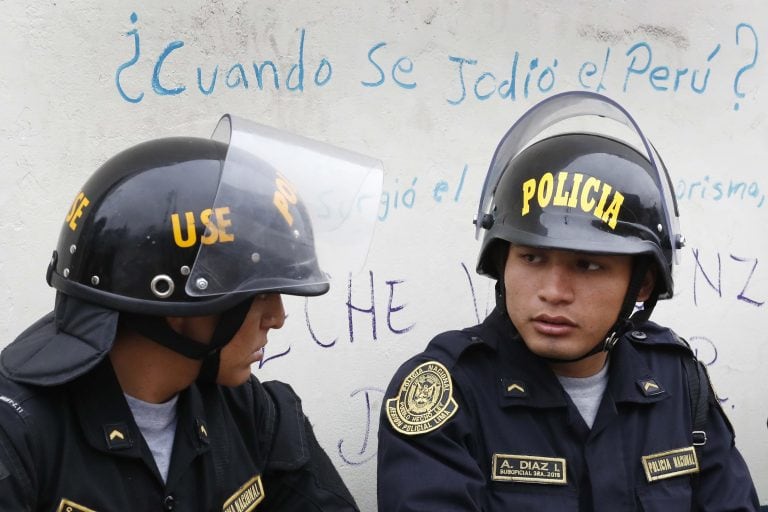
[528,469]
[659,466]
[71,506]
[424,402]
[514,388]
[118,436]
[246,497]
[650,387]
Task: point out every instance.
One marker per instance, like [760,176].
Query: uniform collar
[631,380]
[523,379]
[108,425]
[529,382]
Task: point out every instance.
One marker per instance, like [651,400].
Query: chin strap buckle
[610,341]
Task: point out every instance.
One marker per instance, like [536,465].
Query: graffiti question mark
[745,67]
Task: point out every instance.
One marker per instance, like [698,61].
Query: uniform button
[638,335]
[169,503]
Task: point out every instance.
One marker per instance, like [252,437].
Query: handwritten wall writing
[640,66]
[726,190]
[364,449]
[726,277]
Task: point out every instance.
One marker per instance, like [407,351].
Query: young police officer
[169,270]
[562,399]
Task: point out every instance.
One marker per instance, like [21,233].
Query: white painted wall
[425,87]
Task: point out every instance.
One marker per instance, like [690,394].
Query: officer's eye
[531,258]
[588,265]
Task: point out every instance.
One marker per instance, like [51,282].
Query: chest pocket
[674,494]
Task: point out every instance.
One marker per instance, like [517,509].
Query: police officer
[563,399]
[135,393]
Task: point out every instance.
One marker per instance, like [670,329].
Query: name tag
[659,466]
[529,469]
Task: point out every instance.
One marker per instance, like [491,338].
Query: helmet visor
[566,106]
[290,213]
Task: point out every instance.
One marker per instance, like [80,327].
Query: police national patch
[245,499]
[70,506]
[659,466]
[424,402]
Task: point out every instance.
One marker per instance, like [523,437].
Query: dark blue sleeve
[428,471]
[16,487]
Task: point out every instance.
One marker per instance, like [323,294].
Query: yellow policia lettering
[285,196]
[76,211]
[566,190]
[215,221]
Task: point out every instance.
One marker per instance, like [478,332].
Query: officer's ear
[197,328]
[649,283]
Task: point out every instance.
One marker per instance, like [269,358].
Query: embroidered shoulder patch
[245,499]
[424,402]
[659,466]
[70,506]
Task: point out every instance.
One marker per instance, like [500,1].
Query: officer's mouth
[550,325]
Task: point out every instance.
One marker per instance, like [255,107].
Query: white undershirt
[586,392]
[157,423]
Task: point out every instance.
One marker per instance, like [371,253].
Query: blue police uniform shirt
[478,422]
[75,447]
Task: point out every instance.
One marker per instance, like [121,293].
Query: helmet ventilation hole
[162,286]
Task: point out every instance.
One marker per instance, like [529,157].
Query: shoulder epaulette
[449,346]
[651,334]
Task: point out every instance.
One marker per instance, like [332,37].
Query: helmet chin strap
[626,320]
[157,329]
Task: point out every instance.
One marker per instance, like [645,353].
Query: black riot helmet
[581,191]
[190,226]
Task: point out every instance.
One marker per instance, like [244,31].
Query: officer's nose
[556,285]
[274,312]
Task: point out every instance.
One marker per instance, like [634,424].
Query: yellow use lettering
[215,222]
[189,217]
[211,233]
[76,211]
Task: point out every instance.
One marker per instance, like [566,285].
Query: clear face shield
[289,214]
[566,106]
